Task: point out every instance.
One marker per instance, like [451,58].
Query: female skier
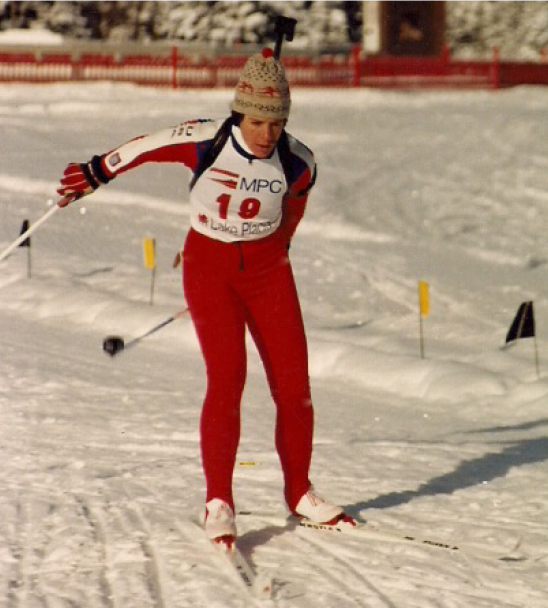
[249,189]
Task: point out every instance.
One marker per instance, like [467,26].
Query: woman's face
[261,134]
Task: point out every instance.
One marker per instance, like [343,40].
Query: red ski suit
[237,274]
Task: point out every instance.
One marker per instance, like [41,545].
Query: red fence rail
[177,70]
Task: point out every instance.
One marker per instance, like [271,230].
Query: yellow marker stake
[424,303]
[424,308]
[149,260]
[149,253]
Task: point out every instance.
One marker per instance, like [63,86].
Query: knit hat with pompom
[262,90]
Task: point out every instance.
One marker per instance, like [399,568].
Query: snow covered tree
[220,23]
[24,15]
[518,29]
[70,19]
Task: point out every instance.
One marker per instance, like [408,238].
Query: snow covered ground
[101,477]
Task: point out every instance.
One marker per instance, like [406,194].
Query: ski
[376,533]
[258,585]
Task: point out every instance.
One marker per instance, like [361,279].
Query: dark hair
[237,118]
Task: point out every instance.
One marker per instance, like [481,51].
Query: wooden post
[537,363]
[174,60]
[355,63]
[495,68]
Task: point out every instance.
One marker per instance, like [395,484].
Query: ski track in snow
[101,477]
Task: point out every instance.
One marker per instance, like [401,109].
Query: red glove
[81,179]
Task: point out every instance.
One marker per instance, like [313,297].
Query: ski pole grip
[285,29]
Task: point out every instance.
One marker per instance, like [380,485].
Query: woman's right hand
[76,182]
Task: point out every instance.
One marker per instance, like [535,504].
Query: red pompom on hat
[262,90]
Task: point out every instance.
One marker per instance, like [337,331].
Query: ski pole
[112,345]
[62,203]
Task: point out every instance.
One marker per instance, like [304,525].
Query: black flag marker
[24,228]
[523,325]
[26,243]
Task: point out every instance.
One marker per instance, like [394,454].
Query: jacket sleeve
[303,178]
[179,144]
